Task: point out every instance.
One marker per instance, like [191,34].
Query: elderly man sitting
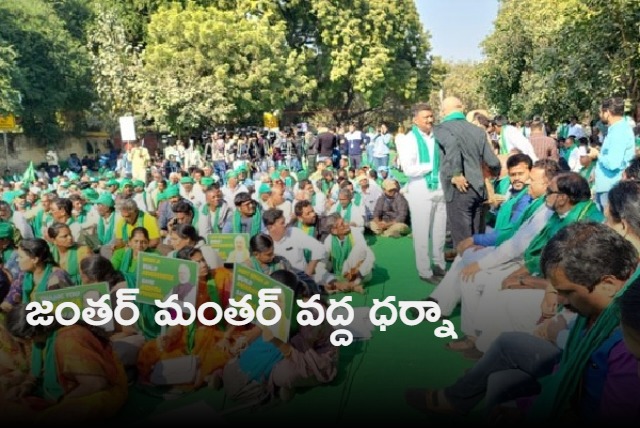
[390,215]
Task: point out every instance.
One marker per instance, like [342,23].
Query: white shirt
[515,247]
[359,253]
[576,130]
[357,215]
[410,158]
[515,140]
[293,244]
[230,195]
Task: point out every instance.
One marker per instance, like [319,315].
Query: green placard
[249,281]
[232,247]
[159,277]
[77,295]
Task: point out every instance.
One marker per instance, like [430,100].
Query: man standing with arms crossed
[464,149]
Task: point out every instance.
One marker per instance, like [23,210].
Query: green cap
[276,176]
[113,182]
[106,200]
[109,175]
[303,174]
[73,176]
[283,168]
[90,195]
[172,192]
[231,174]
[125,182]
[264,188]
[138,183]
[187,180]
[6,231]
[207,182]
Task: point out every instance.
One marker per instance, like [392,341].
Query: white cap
[34,190]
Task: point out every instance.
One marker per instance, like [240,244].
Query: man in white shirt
[426,201]
[353,214]
[575,128]
[511,139]
[291,242]
[370,196]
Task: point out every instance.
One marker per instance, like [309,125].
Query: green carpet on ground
[373,374]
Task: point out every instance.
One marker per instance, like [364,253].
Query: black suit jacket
[463,149]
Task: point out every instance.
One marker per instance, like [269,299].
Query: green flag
[29,175]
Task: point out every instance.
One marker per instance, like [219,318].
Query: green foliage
[205,66]
[459,79]
[562,58]
[51,65]
[9,96]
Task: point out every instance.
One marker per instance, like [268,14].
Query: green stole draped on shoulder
[528,213]
[432,178]
[28,287]
[106,236]
[139,223]
[45,353]
[256,222]
[311,231]
[585,210]
[560,388]
[357,198]
[215,228]
[52,388]
[347,212]
[501,185]
[73,267]
[271,267]
[339,252]
[504,147]
[503,219]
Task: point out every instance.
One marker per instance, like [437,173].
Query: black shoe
[433,279]
[438,271]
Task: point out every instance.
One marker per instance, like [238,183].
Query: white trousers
[486,285]
[448,293]
[428,225]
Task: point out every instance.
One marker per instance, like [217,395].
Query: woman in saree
[75,376]
[125,260]
[212,345]
[66,252]
[39,272]
[270,366]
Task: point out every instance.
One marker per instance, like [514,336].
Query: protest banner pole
[6,149]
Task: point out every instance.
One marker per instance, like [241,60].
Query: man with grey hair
[354,215]
[464,152]
[132,217]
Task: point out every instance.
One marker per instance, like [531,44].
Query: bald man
[464,149]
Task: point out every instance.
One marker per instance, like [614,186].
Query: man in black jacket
[464,151]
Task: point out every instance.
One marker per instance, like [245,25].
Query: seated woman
[39,272]
[185,235]
[126,259]
[8,250]
[81,378]
[269,366]
[65,252]
[211,345]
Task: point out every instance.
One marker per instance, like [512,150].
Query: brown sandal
[460,345]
